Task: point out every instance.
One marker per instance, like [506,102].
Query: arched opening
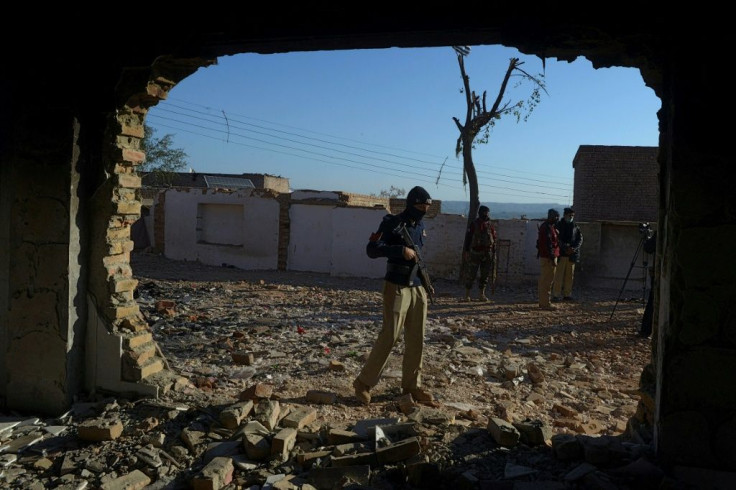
[82,138]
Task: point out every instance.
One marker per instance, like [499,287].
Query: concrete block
[533,432]
[399,451]
[135,480]
[321,397]
[258,391]
[340,436]
[300,417]
[216,475]
[283,442]
[267,412]
[100,430]
[503,432]
[257,446]
[232,416]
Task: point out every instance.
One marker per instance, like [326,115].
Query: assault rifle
[422,272]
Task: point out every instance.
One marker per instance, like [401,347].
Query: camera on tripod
[645,230]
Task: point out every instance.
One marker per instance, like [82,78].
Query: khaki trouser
[563,277]
[404,309]
[546,276]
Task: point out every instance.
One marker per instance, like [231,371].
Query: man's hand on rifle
[410,254]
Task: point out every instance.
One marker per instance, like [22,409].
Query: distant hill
[505,210]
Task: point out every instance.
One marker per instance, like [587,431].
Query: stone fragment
[503,432]
[590,428]
[194,439]
[399,451]
[321,397]
[283,442]
[267,412]
[306,459]
[535,374]
[97,430]
[433,416]
[300,417]
[222,449]
[243,358]
[340,436]
[258,391]
[533,432]
[232,416]
[336,366]
[256,446]
[350,448]
[565,411]
[135,480]
[217,474]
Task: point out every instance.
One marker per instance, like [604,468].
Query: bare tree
[392,193]
[479,119]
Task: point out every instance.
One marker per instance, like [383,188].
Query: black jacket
[387,243]
[571,239]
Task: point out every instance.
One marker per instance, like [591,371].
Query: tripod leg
[623,286]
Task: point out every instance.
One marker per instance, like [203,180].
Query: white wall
[310,239]
[331,239]
[248,243]
[443,246]
[352,228]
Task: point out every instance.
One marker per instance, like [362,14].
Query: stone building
[70,133]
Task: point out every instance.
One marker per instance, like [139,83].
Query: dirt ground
[311,332]
[571,375]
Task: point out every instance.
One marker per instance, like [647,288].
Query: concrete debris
[265,363]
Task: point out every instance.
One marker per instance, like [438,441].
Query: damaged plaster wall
[238,228]
[42,306]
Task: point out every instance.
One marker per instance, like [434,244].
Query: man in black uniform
[571,239]
[404,300]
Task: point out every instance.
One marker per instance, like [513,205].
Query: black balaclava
[417,195]
[484,212]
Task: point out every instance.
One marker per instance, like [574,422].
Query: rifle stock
[422,273]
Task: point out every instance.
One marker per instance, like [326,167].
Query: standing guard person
[479,253]
[548,249]
[571,239]
[404,300]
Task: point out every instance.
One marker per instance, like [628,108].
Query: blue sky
[364,121]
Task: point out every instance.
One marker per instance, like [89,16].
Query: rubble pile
[266,361]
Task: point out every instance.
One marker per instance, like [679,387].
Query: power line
[385,170]
[229,123]
[546,181]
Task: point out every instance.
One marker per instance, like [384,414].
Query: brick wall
[398,204]
[265,181]
[616,183]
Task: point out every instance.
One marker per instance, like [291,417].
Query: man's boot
[482,296]
[466,299]
[362,391]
